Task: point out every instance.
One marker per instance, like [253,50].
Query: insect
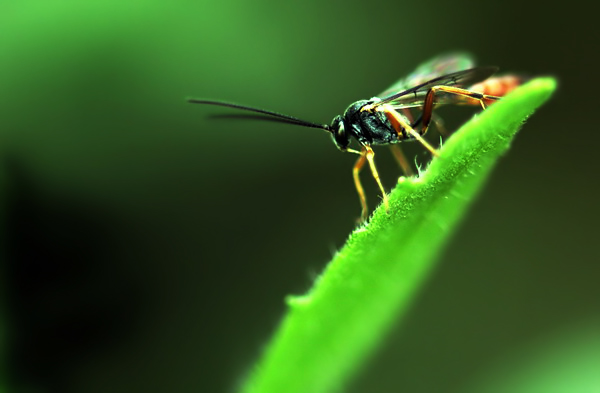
[386,119]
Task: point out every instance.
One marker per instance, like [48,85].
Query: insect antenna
[275,116]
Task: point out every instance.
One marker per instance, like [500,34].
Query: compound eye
[340,137]
[340,134]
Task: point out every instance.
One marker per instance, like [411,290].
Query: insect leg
[399,124]
[401,159]
[438,121]
[427,113]
[366,155]
[370,154]
[361,192]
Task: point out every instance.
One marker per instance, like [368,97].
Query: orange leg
[359,188]
[367,155]
[400,124]
[370,154]
[468,95]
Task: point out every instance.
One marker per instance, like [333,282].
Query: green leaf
[329,332]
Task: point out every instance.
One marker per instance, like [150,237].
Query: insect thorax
[370,127]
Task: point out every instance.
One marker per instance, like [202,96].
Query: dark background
[148,246]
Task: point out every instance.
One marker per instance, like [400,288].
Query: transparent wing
[415,95]
[438,66]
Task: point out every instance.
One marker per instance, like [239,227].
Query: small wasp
[386,119]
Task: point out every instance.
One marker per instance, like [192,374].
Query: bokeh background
[148,246]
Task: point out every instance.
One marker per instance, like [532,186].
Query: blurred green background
[148,246]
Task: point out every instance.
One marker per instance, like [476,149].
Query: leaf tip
[542,87]
[545,84]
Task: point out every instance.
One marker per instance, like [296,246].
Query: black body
[367,127]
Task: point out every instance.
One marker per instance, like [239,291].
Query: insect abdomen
[498,86]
